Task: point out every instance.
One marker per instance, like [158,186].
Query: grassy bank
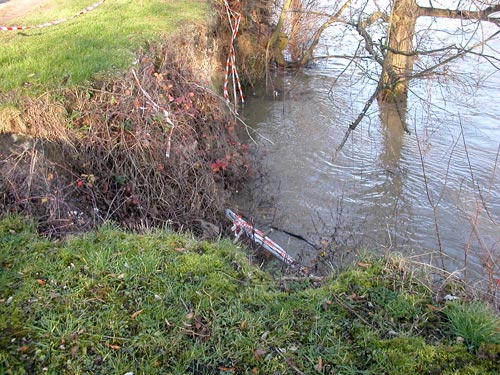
[102,40]
[163,303]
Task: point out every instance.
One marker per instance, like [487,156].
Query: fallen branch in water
[297,236]
[356,122]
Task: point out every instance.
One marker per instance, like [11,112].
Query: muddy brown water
[433,194]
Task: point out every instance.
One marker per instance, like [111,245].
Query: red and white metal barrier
[241,226]
[234,21]
[52,23]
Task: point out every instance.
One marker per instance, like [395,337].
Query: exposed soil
[11,9]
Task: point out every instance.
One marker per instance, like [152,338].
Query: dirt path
[10,9]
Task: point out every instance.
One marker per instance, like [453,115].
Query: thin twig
[429,198]
[356,122]
[248,128]
[289,363]
[166,114]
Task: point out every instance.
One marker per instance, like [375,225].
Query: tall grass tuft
[476,323]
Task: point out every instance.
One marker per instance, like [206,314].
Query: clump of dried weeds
[152,147]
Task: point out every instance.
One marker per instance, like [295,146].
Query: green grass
[111,302]
[73,52]
[474,323]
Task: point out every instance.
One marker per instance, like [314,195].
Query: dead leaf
[101,292]
[40,282]
[355,297]
[258,353]
[112,346]
[136,314]
[319,366]
[243,325]
[228,369]
[363,264]
[74,351]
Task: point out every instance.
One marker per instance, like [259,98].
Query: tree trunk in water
[278,40]
[296,32]
[398,62]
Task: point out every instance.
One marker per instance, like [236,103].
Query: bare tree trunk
[295,29]
[278,41]
[397,68]
[400,55]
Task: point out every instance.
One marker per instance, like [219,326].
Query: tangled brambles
[151,148]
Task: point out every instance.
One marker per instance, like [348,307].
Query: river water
[432,194]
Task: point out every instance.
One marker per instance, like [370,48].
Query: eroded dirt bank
[155,146]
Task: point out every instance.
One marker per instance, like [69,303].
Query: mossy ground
[111,302]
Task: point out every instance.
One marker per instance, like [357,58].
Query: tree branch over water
[459,54]
[307,55]
[482,15]
[387,34]
[356,122]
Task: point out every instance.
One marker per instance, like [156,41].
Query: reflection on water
[432,190]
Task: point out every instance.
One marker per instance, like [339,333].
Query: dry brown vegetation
[102,153]
[154,146]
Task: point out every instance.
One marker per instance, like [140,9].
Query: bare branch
[358,119]
[431,202]
[348,57]
[461,14]
[422,53]
[430,70]
[369,44]
[306,57]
